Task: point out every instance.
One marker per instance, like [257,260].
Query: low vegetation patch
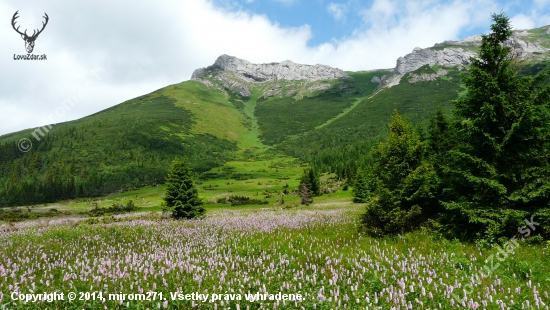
[241,201]
[116,208]
[17,214]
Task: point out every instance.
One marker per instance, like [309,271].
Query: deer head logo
[29,40]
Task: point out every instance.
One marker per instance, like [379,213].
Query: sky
[101,53]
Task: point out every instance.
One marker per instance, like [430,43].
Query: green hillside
[131,145]
[283,118]
[127,146]
[345,142]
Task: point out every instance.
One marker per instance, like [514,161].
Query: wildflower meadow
[310,258]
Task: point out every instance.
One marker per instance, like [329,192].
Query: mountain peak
[258,73]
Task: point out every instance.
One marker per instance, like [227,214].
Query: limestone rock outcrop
[414,78]
[237,75]
[419,57]
[457,53]
[286,70]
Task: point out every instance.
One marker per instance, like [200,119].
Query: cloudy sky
[100,53]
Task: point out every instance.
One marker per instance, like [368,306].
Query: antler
[43,26]
[13,24]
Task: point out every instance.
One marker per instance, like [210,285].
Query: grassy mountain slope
[281,118]
[129,145]
[353,134]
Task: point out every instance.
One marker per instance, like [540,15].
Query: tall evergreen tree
[361,189]
[439,138]
[403,183]
[181,195]
[313,183]
[439,141]
[305,194]
[499,169]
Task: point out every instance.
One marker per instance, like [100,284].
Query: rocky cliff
[238,75]
[526,45]
[286,70]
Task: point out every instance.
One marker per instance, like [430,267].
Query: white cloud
[393,28]
[382,11]
[337,10]
[522,21]
[536,17]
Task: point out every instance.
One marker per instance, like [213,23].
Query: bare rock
[317,87]
[470,41]
[258,73]
[275,91]
[290,92]
[447,57]
[524,49]
[228,81]
[413,77]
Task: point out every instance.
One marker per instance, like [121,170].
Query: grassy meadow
[236,252]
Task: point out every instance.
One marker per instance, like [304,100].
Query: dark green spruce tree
[498,171]
[439,136]
[312,180]
[439,142]
[305,194]
[361,190]
[181,195]
[404,184]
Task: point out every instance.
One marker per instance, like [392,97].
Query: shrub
[116,208]
[241,201]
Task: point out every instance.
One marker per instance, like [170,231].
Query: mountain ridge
[285,70]
[529,45]
[240,76]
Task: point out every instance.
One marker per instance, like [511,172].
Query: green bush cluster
[236,200]
[116,208]
[17,215]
